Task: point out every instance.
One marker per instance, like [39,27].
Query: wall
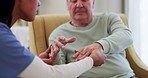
[126,7]
[59,6]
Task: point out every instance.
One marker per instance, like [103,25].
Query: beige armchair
[43,25]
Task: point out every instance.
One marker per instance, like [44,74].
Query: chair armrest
[140,69]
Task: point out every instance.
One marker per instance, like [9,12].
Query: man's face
[80,9]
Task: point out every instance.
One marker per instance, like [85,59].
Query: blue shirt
[14,58]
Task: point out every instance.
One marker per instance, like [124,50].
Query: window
[137,16]
[144,30]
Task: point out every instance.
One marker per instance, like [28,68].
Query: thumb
[48,61]
[71,40]
[48,50]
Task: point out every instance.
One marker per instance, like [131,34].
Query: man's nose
[79,4]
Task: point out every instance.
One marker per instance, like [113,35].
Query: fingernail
[73,56]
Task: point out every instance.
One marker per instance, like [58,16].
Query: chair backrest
[41,28]
[43,25]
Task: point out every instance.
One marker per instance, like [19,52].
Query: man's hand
[50,54]
[94,50]
[98,57]
[61,41]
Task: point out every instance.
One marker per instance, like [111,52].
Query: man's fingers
[80,57]
[64,40]
[58,44]
[70,40]
[88,53]
[76,54]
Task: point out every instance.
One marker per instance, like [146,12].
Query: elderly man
[106,33]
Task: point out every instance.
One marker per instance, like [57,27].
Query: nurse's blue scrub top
[14,58]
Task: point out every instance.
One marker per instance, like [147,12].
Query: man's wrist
[99,46]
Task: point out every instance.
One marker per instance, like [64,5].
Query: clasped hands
[95,51]
[50,54]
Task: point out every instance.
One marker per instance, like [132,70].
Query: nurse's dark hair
[6,8]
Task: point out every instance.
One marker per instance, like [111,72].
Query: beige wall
[59,6]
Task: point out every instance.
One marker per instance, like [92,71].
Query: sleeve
[38,69]
[119,35]
[61,58]
[14,58]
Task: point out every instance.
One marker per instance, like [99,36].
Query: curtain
[137,16]
[144,30]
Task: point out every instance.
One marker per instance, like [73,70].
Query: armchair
[43,25]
